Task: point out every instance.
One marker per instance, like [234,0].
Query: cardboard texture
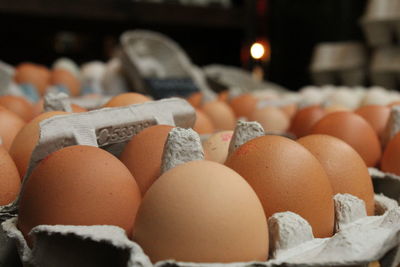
[359,240]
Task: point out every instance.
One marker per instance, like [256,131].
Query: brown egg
[202,211]
[77,109]
[355,131]
[195,99]
[345,168]
[61,77]
[203,124]
[272,119]
[127,99]
[38,108]
[142,155]
[304,119]
[26,140]
[287,177]
[290,110]
[62,190]
[36,75]
[217,145]
[18,105]
[336,108]
[223,96]
[220,114]
[10,125]
[395,103]
[9,178]
[391,156]
[377,116]
[243,105]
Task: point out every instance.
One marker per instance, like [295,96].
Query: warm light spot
[257,50]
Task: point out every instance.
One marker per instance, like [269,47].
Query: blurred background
[210,32]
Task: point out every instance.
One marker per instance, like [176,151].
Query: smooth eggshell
[143,155]
[9,178]
[127,99]
[26,140]
[217,145]
[391,156]
[220,114]
[377,116]
[195,99]
[18,105]
[203,124]
[67,79]
[304,119]
[243,105]
[272,119]
[287,177]
[202,211]
[355,131]
[10,125]
[79,185]
[77,108]
[345,168]
[36,75]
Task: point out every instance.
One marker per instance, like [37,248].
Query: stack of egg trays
[381,25]
[359,239]
[339,63]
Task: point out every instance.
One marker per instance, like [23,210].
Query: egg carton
[339,63]
[6,76]
[385,67]
[381,22]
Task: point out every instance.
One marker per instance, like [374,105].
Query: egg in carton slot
[359,239]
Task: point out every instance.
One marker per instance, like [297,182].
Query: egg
[202,211]
[355,131]
[304,120]
[395,103]
[10,125]
[287,177]
[289,109]
[9,178]
[243,105]
[142,155]
[32,74]
[26,140]
[220,114]
[223,96]
[336,108]
[17,104]
[127,99]
[66,80]
[345,168]
[272,119]
[195,99]
[62,190]
[391,156]
[217,145]
[377,116]
[77,109]
[203,124]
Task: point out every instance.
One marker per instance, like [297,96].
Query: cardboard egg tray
[359,239]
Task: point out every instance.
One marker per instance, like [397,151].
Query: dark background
[43,30]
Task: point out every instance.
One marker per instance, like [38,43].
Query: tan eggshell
[143,154]
[127,99]
[304,119]
[272,119]
[79,185]
[377,116]
[395,103]
[220,114]
[195,99]
[391,156]
[36,75]
[287,177]
[77,109]
[223,96]
[355,131]
[10,125]
[18,105]
[336,108]
[38,108]
[26,140]
[217,145]
[9,178]
[290,110]
[345,168]
[67,79]
[203,124]
[202,211]
[243,105]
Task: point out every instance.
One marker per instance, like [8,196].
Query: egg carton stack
[381,24]
[359,239]
[341,63]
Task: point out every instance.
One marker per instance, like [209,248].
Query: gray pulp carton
[359,239]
